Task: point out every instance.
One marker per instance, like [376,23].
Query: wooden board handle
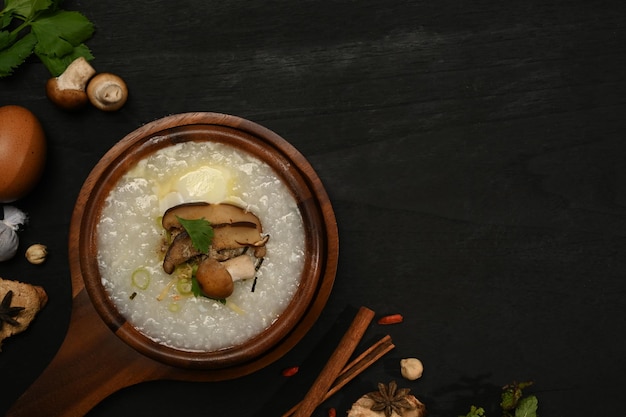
[91,364]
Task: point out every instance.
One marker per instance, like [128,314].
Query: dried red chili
[291,371]
[332,412]
[391,319]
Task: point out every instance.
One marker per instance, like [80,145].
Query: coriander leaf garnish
[200,231]
[195,287]
[54,35]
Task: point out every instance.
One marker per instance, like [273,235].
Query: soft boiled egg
[22,152]
[204,183]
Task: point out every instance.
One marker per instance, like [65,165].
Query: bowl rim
[318,216]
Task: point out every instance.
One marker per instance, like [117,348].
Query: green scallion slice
[141,278]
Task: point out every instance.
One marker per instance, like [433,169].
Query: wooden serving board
[93,362]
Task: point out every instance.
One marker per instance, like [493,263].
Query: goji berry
[332,412]
[291,371]
[391,319]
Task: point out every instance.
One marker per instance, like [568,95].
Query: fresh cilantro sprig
[200,231]
[201,234]
[42,27]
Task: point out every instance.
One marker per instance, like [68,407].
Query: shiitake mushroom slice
[215,213]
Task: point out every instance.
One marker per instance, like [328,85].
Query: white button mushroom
[411,368]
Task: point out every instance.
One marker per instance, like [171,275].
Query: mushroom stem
[68,89]
[76,75]
[240,267]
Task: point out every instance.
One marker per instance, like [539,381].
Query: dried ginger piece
[30,298]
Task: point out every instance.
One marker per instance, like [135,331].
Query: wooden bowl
[288,164]
[103,353]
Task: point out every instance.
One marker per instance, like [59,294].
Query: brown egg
[22,152]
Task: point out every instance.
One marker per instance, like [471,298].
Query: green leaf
[56,65]
[195,287]
[26,9]
[509,399]
[200,232]
[56,4]
[59,32]
[57,36]
[527,407]
[511,394]
[5,39]
[16,54]
[475,412]
[5,19]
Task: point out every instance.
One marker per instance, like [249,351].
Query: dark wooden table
[474,153]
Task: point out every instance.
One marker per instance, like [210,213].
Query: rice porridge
[130,238]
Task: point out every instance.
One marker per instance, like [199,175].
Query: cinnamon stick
[336,363]
[361,363]
[354,368]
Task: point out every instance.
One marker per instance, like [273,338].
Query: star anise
[7,312]
[389,398]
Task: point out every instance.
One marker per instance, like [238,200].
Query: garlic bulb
[10,223]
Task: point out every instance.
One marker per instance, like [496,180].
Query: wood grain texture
[336,362]
[474,156]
